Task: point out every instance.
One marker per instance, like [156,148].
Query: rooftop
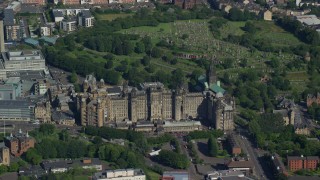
[181,123]
[31,41]
[120,173]
[65,163]
[8,19]
[177,175]
[86,14]
[240,164]
[14,104]
[225,174]
[309,19]
[57,14]
[147,85]
[13,80]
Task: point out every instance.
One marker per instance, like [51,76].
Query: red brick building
[296,163]
[187,4]
[19,143]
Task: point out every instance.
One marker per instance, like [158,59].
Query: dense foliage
[270,132]
[212,147]
[304,33]
[173,159]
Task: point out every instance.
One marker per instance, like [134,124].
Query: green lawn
[297,76]
[268,31]
[232,27]
[110,17]
[278,36]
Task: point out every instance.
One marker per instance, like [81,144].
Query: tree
[212,147]
[14,167]
[184,36]
[33,157]
[73,77]
[173,159]
[156,52]
[177,78]
[146,60]
[47,129]
[3,169]
[140,48]
[250,28]
[235,14]
[109,64]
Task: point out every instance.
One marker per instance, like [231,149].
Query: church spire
[211,74]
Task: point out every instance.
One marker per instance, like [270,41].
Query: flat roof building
[309,20]
[16,110]
[120,174]
[28,60]
[175,175]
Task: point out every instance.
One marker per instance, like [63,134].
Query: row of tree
[304,33]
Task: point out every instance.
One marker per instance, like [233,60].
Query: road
[248,147]
[191,170]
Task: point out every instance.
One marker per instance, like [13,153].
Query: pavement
[192,169]
[261,170]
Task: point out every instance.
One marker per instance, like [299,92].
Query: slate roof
[8,19]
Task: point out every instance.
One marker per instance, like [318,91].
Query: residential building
[19,143]
[42,111]
[58,16]
[86,1]
[308,20]
[63,118]
[16,110]
[4,155]
[45,30]
[14,61]
[68,25]
[235,148]
[311,98]
[303,130]
[2,47]
[120,174]
[102,2]
[267,15]
[187,4]
[63,165]
[289,111]
[71,2]
[40,87]
[70,11]
[14,5]
[172,175]
[86,19]
[296,163]
[34,2]
[12,30]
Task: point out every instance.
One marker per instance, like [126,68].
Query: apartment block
[296,163]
